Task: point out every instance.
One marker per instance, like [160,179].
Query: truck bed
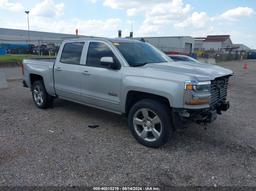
[42,59]
[42,67]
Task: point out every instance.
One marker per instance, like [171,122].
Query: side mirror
[106,61]
[109,62]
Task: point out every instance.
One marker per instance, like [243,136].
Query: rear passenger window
[71,53]
[96,51]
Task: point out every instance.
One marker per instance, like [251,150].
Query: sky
[197,18]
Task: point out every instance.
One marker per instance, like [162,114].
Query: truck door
[67,71]
[102,86]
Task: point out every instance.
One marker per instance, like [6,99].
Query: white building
[241,47]
[199,41]
[218,43]
[15,36]
[172,44]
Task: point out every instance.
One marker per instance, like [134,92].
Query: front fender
[171,90]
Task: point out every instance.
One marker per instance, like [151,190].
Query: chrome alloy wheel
[147,124]
[38,95]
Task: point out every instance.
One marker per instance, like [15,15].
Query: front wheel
[150,123]
[41,98]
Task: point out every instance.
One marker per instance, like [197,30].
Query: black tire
[46,100]
[140,129]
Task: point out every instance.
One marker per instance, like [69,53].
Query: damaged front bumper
[204,116]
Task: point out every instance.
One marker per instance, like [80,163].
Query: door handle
[58,69]
[86,73]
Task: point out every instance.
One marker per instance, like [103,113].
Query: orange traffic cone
[245,66]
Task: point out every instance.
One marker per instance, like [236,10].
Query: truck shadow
[192,139]
[93,114]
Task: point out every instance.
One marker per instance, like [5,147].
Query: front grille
[219,88]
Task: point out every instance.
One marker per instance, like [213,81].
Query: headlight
[198,86]
[197,93]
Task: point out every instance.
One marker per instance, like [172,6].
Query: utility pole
[27,12]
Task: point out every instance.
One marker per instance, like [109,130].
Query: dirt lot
[56,147]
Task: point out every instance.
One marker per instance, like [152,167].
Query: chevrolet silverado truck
[130,78]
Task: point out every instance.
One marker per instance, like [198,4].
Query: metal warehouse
[15,36]
[172,44]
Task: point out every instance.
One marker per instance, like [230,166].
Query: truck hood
[200,72]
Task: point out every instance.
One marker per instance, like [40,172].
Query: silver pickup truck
[133,78]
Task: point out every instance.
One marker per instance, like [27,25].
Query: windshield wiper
[145,63]
[140,64]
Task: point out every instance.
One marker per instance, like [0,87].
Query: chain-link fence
[222,56]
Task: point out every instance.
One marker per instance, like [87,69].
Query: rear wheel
[41,98]
[150,123]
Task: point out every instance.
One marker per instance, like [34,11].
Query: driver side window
[96,51]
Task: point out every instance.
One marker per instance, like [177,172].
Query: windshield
[140,53]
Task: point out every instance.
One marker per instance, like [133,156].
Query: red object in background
[245,66]
[174,52]
[76,32]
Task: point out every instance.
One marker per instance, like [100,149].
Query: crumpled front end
[214,101]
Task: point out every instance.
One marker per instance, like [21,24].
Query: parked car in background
[179,57]
[130,78]
[251,54]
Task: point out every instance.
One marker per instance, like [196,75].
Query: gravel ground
[56,146]
[12,73]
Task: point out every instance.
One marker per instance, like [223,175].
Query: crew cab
[130,78]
